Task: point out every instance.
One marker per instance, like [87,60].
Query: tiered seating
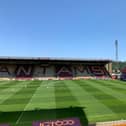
[64,71]
[89,71]
[99,71]
[55,71]
[4,72]
[24,71]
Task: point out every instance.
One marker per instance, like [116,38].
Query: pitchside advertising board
[4,125]
[59,122]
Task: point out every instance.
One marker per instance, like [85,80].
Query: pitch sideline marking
[19,117]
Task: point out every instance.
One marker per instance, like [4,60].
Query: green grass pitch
[22,102]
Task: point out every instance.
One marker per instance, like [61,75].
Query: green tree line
[118,65]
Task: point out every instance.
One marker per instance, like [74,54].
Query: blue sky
[63,28]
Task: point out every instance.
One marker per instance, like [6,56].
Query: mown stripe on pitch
[10,92]
[44,96]
[61,89]
[19,89]
[92,105]
[107,98]
[30,86]
[119,82]
[111,84]
[120,96]
[38,106]
[5,86]
[7,115]
[68,105]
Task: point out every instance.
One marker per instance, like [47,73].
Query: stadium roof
[53,59]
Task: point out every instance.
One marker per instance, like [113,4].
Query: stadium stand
[50,68]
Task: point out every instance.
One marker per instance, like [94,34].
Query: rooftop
[52,59]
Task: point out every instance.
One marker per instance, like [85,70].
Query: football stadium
[60,92]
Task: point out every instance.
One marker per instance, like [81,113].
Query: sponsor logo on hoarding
[4,125]
[59,122]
